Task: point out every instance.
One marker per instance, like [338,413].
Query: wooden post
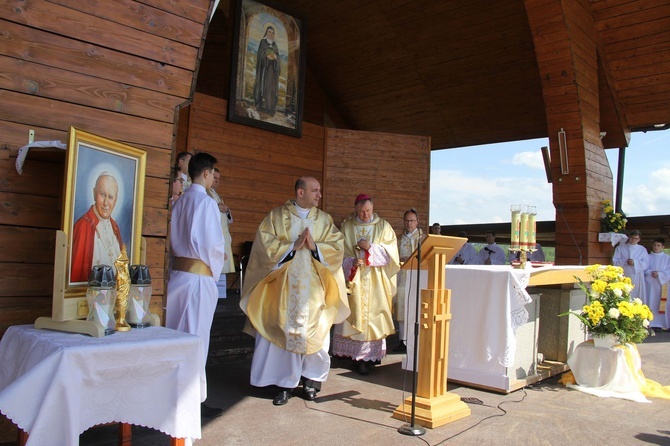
[435,406]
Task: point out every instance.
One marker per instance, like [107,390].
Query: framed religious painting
[103,200]
[268,68]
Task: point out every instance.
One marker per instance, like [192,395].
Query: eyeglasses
[406,221]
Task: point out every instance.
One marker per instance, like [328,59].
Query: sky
[478,184]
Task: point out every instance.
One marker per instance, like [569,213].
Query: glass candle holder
[101,297]
[137,314]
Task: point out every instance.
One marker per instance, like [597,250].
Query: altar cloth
[55,385]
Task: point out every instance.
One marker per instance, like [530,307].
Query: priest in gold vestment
[294,292]
[370,265]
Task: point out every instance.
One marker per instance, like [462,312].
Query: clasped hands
[305,239]
[365,245]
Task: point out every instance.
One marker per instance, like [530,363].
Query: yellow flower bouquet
[612,221]
[610,309]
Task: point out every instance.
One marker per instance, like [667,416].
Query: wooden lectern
[434,405]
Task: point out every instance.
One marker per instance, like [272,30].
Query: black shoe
[362,368]
[282,398]
[400,348]
[209,412]
[310,393]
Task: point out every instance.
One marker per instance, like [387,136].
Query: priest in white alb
[407,243]
[226,220]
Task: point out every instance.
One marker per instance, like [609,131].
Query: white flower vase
[607,341]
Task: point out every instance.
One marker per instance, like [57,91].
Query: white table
[494,328]
[56,385]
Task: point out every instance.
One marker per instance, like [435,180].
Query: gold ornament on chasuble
[295,305]
[373,287]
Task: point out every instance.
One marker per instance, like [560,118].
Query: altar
[501,338]
[55,385]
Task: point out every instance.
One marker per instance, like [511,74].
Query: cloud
[529,159]
[651,197]
[460,198]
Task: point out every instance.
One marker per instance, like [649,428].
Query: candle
[523,239]
[532,230]
[516,221]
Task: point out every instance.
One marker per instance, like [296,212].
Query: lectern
[434,405]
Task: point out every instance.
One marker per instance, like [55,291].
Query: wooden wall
[392,169]
[258,167]
[117,71]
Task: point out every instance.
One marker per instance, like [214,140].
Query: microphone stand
[411,429]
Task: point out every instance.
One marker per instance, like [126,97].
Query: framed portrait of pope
[103,200]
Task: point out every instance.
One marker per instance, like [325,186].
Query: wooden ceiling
[464,72]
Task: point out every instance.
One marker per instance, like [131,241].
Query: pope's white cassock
[659,262]
[293,299]
[195,234]
[640,259]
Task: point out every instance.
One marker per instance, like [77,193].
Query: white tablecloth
[55,385]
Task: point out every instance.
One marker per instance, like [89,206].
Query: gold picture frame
[104,183]
[268,67]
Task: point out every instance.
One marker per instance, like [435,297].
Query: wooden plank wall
[393,169]
[258,167]
[117,71]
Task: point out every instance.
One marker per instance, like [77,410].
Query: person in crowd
[436,229]
[467,255]
[370,265]
[226,220]
[532,256]
[491,254]
[407,243]
[183,160]
[96,238]
[197,249]
[294,291]
[633,258]
[177,185]
[656,275]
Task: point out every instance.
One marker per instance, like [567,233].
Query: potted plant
[611,316]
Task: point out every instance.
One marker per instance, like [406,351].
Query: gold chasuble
[294,305]
[372,287]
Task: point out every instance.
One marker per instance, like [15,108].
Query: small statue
[122,289]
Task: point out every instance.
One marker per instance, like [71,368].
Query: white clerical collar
[302,212]
[199,188]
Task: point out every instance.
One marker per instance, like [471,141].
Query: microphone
[486,248]
[559,208]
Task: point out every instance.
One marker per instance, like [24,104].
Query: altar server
[656,275]
[491,254]
[634,259]
[198,252]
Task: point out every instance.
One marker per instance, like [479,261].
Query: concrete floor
[354,409]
